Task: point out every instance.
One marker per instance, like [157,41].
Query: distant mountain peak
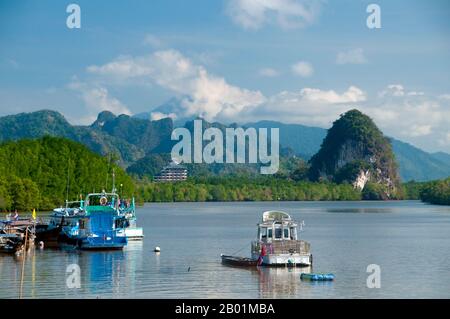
[103,117]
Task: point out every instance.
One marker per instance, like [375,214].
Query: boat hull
[238,261]
[102,243]
[286,260]
[133,233]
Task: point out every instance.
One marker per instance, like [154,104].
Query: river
[408,240]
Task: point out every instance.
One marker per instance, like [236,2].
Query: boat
[277,242]
[127,209]
[317,277]
[238,261]
[16,234]
[51,232]
[99,226]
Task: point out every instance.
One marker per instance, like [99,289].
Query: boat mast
[68,181]
[114,181]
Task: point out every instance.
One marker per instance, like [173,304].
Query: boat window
[278,233]
[293,233]
[269,233]
[286,233]
[263,232]
[81,223]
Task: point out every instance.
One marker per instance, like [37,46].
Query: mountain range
[134,138]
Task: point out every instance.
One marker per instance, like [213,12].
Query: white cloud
[418,130]
[352,95]
[97,99]
[409,115]
[397,90]
[355,56]
[155,116]
[288,14]
[303,69]
[209,96]
[308,106]
[444,96]
[268,72]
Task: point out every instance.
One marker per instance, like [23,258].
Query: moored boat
[16,234]
[238,261]
[99,227]
[277,244]
[127,209]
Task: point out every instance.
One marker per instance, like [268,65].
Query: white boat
[127,209]
[277,242]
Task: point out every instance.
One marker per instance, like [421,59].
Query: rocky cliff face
[355,151]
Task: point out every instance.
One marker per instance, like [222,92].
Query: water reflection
[413,238]
[279,282]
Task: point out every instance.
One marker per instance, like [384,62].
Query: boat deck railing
[282,247]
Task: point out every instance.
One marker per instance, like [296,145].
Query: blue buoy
[317,277]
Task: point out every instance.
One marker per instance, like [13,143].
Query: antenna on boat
[68,180]
[107,172]
[114,181]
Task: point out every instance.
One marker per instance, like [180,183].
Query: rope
[241,249]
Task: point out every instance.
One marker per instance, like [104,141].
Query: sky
[294,61]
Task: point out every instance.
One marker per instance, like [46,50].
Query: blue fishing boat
[98,226]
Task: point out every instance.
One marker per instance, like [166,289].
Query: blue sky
[298,61]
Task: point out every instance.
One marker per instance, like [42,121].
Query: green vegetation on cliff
[34,173]
[355,151]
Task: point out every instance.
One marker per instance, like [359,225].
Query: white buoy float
[157,249]
[41,245]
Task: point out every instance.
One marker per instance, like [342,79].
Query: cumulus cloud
[410,115]
[288,14]
[155,116]
[309,106]
[209,96]
[397,90]
[97,99]
[268,72]
[355,56]
[303,69]
[406,114]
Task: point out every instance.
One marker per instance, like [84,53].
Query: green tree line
[243,189]
[434,192]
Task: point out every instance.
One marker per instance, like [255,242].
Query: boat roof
[102,194]
[274,215]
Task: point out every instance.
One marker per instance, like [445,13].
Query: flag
[34,213]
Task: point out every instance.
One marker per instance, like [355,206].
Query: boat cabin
[275,226]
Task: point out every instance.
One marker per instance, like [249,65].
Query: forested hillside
[35,173]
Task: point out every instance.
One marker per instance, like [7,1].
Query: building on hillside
[173,172]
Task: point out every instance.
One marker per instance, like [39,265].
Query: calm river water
[409,240]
